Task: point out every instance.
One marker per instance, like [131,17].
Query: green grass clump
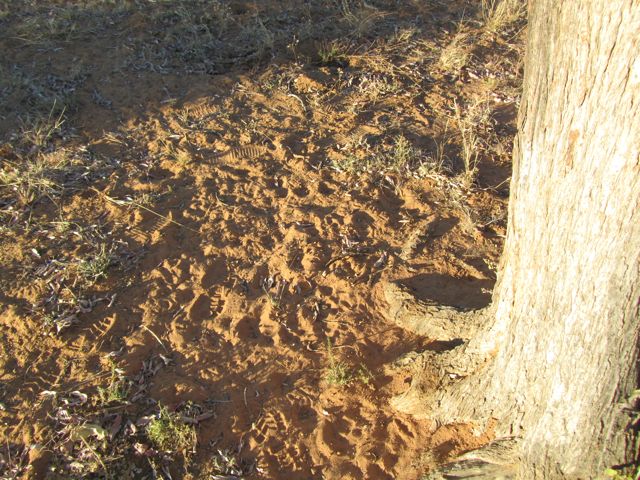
[169,433]
[341,374]
[333,54]
[338,373]
[118,389]
[95,267]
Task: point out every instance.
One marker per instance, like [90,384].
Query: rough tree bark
[554,358]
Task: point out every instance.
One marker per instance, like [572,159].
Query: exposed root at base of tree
[431,320]
[496,460]
[435,373]
[443,382]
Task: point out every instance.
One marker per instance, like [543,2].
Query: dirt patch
[198,200]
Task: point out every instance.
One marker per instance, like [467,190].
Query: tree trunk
[558,359]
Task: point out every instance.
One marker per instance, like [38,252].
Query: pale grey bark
[559,357]
[428,319]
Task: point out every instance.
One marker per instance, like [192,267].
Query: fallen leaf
[88,430]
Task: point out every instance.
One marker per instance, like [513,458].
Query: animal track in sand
[330,441]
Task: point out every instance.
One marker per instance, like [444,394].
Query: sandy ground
[199,202]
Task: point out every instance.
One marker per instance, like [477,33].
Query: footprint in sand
[330,441]
[272,428]
[215,274]
[200,309]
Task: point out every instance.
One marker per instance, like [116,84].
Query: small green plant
[117,390]
[62,226]
[42,129]
[619,475]
[168,432]
[364,375]
[350,164]
[95,267]
[341,374]
[333,53]
[404,154]
[338,373]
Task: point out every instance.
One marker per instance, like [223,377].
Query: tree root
[435,375]
[444,382]
[496,460]
[434,321]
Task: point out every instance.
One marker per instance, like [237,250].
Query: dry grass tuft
[470,144]
[42,129]
[61,24]
[457,54]
[497,15]
[400,157]
[226,464]
[27,181]
[360,19]
[181,157]
[374,87]
[470,121]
